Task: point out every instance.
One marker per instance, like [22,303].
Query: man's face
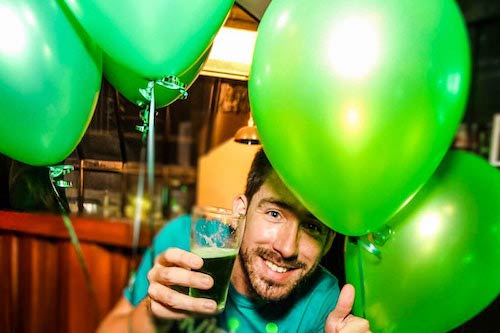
[283,243]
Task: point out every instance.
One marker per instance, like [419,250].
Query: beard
[266,289]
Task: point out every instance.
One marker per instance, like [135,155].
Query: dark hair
[259,171]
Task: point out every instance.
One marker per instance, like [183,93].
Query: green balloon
[154,38]
[50,77]
[356,102]
[439,260]
[128,83]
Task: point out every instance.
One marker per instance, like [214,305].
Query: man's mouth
[276,268]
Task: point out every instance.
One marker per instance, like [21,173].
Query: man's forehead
[275,191]
[274,184]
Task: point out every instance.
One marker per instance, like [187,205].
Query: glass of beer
[216,237]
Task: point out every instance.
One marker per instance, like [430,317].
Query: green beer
[218,263]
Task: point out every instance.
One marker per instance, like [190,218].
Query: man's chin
[270,292]
[275,298]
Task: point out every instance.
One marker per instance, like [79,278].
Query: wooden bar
[99,231]
[42,285]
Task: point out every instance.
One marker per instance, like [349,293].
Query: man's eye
[274,214]
[312,228]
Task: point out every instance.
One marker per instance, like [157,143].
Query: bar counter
[42,285]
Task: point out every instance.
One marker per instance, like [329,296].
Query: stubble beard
[267,290]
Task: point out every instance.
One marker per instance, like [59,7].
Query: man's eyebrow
[287,206]
[277,202]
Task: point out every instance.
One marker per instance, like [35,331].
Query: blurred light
[282,20]
[353,119]
[354,47]
[449,210]
[494,156]
[231,54]
[351,124]
[234,45]
[30,19]
[268,69]
[352,116]
[47,51]
[429,225]
[75,7]
[12,33]
[453,83]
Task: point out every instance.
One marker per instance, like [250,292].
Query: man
[276,284]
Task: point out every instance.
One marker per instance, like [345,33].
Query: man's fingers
[177,276]
[357,324]
[181,258]
[344,303]
[166,302]
[340,318]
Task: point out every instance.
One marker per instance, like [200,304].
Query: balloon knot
[173,82]
[374,240]
[58,171]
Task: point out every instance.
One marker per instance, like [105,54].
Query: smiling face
[283,242]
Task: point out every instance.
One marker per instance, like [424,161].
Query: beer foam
[214,252]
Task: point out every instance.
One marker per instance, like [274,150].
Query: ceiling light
[247,134]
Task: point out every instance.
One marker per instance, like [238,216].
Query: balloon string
[54,172]
[147,117]
[148,138]
[361,292]
[137,224]
[369,243]
[146,133]
[148,143]
[151,161]
[148,128]
[139,197]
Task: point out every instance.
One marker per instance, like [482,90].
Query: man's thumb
[344,303]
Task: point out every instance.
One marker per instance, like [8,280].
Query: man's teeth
[276,268]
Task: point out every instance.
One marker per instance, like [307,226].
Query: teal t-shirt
[305,310]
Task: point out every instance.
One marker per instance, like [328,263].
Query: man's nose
[287,239]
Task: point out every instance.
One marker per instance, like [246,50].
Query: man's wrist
[162,325]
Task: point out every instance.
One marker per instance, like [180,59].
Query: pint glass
[216,237]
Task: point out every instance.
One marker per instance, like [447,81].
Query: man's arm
[126,318]
[340,320]
[165,303]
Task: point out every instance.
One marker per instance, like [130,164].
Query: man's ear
[240,204]
[329,241]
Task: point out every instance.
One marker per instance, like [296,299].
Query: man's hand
[340,320]
[173,268]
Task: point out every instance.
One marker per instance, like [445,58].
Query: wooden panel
[8,284]
[42,285]
[85,314]
[37,265]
